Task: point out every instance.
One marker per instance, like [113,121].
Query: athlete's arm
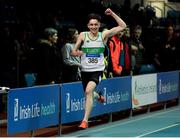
[113,31]
[75,51]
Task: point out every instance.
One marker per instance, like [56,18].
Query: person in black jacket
[47,58]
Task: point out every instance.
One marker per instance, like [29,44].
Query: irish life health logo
[16,102]
[68,102]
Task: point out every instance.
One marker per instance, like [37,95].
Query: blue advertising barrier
[168,85]
[32,108]
[39,107]
[117,93]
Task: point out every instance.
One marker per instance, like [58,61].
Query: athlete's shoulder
[82,35]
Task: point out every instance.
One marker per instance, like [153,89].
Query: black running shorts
[91,76]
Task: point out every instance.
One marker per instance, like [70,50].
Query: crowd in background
[27,46]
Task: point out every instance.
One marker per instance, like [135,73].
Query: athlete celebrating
[92,44]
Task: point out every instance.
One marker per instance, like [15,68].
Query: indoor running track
[162,123]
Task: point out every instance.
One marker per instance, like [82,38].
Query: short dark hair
[94,16]
[137,27]
[49,32]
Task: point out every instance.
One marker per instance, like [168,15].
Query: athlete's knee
[89,92]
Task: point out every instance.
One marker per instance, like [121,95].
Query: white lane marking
[145,134]
[123,123]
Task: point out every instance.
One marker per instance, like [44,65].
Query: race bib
[92,58]
[93,55]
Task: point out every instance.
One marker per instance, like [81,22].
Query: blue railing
[37,107]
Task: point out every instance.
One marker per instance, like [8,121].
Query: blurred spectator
[138,50]
[120,54]
[47,58]
[71,66]
[169,54]
[23,45]
[115,47]
[125,57]
[140,64]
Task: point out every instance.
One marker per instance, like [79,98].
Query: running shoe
[101,98]
[83,125]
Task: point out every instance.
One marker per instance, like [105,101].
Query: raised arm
[114,30]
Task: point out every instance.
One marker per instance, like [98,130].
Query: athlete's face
[93,26]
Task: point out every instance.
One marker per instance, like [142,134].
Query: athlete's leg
[89,99]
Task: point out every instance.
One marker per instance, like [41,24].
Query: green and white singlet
[93,54]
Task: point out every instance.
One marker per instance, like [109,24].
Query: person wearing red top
[115,46]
